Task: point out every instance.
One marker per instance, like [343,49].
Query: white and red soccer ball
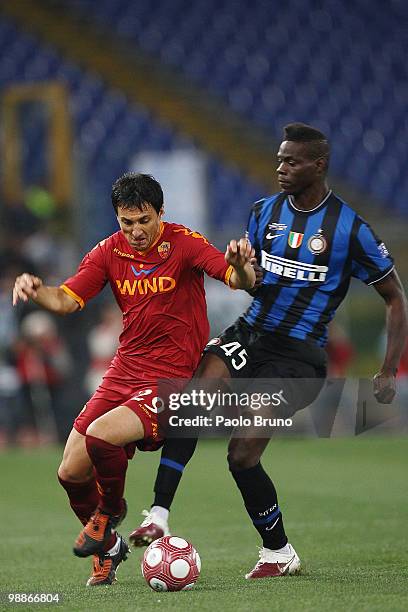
[171,564]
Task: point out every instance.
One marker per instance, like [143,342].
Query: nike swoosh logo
[270,236]
[136,273]
[270,528]
[285,568]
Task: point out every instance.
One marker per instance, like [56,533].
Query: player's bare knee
[65,474]
[100,429]
[70,471]
[243,453]
[96,429]
[119,426]
[240,457]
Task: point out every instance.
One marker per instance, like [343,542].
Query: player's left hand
[385,387]
[258,272]
[239,253]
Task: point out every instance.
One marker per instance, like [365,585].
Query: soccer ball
[171,564]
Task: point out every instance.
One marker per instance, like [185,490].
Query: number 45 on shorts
[240,356]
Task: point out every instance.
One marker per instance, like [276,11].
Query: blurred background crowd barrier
[195,93]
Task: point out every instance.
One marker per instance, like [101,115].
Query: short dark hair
[133,190]
[318,145]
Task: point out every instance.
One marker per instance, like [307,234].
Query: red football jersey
[160,293]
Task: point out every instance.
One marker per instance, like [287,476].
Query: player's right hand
[239,252]
[384,387]
[26,287]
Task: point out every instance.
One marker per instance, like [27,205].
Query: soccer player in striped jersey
[309,244]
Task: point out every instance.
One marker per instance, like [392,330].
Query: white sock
[115,548]
[285,550]
[161,512]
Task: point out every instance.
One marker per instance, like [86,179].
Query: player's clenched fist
[26,287]
[239,253]
[385,387]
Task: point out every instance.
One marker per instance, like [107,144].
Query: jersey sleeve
[253,226]
[371,260]
[205,257]
[90,278]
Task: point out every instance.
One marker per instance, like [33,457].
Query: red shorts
[141,396]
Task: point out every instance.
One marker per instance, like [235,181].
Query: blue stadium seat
[340,64]
[331,62]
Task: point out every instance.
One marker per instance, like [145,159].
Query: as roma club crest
[164,250]
[317,243]
[295,239]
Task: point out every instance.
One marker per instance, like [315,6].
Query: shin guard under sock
[261,502]
[83,497]
[175,455]
[110,463]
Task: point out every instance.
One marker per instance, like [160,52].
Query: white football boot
[273,563]
[152,528]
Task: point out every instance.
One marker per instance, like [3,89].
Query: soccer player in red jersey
[155,270]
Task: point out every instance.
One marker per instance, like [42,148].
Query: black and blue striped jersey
[308,259]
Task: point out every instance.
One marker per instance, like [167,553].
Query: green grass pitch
[345,504]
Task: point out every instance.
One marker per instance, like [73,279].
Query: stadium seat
[349,76]
[337,65]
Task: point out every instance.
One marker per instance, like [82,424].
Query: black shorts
[265,362]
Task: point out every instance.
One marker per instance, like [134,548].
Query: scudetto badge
[317,244]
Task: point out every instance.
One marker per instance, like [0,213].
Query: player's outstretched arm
[392,291]
[27,286]
[238,255]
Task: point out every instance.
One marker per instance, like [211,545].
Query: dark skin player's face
[297,171]
[140,227]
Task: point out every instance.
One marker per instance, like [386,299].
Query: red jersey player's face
[140,227]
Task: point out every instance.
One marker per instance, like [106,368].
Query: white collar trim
[311,209]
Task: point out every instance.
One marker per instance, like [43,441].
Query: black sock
[175,455]
[261,502]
